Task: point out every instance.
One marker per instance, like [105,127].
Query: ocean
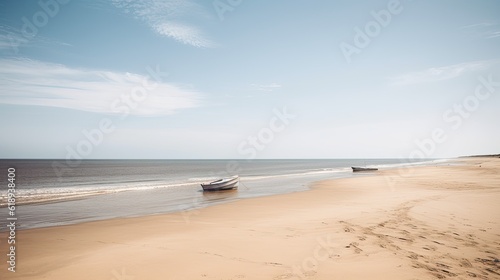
[53,192]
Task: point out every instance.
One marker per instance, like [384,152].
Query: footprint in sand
[413,256]
[429,248]
[471,244]
[354,245]
[470,236]
[284,276]
[471,274]
[348,229]
[412,226]
[465,263]
[406,239]
[443,265]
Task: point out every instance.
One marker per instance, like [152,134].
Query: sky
[240,79]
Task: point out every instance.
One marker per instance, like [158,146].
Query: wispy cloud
[30,82]
[11,39]
[486,29]
[266,87]
[440,73]
[168,18]
[479,25]
[493,34]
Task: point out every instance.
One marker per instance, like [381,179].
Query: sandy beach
[432,222]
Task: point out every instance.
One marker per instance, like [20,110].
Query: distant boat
[222,184]
[359,169]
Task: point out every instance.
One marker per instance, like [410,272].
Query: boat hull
[223,184]
[362,169]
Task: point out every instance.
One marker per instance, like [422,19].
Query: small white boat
[222,184]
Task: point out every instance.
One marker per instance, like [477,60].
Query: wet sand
[434,222]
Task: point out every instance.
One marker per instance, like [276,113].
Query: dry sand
[436,222]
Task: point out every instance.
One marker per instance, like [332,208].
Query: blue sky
[249,79]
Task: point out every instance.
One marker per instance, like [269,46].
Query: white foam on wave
[298,174]
[42,195]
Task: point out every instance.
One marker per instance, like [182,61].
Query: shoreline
[311,186]
[31,199]
[195,200]
[382,221]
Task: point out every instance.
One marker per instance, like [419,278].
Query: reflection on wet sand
[219,195]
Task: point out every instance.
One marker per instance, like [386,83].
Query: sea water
[90,190]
